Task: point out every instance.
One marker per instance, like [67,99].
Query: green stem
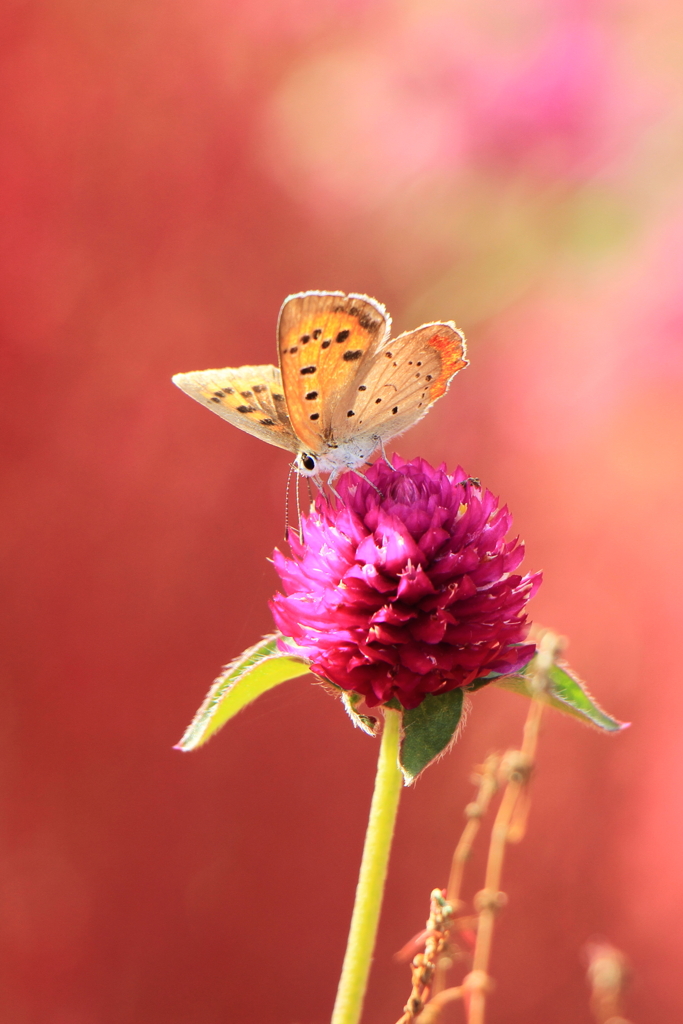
[373,872]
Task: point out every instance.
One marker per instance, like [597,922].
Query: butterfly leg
[318,481]
[384,454]
[331,477]
[374,486]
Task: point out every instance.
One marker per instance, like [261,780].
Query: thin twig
[424,964]
[516,769]
[436,1004]
[513,771]
[485,776]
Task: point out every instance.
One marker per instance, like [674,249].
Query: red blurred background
[170,173]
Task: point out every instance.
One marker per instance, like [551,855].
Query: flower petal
[406,586]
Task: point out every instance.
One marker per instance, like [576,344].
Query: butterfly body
[343,387]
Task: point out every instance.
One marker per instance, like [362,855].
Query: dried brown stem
[424,964]
[513,771]
[432,1010]
[510,823]
[486,775]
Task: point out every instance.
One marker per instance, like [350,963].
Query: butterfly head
[335,458]
[306,464]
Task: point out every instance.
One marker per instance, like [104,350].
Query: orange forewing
[324,339]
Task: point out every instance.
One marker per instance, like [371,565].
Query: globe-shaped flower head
[405,590]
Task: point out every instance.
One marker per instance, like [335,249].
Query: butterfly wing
[399,383]
[325,339]
[250,397]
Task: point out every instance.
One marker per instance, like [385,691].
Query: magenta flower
[406,592]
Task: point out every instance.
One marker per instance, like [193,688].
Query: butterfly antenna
[289,480]
[298,502]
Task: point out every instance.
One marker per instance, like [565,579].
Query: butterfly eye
[308,462]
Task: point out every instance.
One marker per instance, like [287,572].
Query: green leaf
[351,701]
[257,670]
[565,692]
[428,730]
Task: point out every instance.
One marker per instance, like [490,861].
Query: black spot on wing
[352,354]
[307,369]
[368,324]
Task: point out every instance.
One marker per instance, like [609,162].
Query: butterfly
[343,387]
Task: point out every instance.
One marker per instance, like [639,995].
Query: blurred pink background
[170,173]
